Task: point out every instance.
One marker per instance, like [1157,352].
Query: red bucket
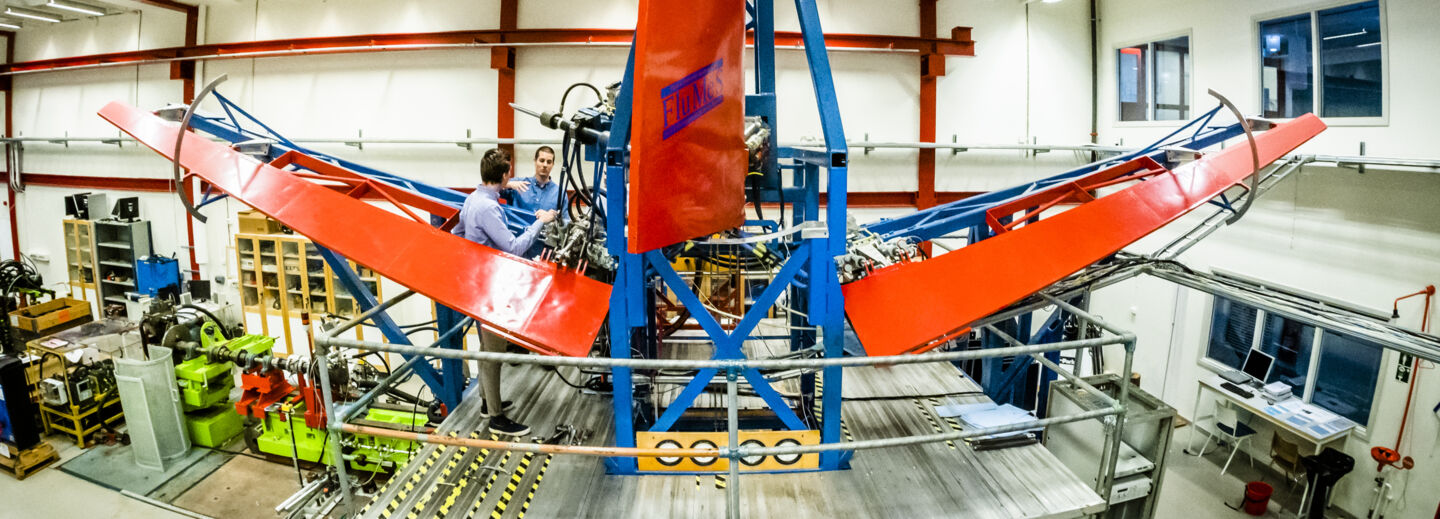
[1257,497]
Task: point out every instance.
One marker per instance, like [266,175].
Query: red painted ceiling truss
[959,44]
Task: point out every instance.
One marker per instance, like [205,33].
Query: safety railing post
[332,422]
[732,410]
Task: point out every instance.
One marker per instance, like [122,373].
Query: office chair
[1232,430]
[1285,455]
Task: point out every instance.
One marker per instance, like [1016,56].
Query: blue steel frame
[1005,380]
[448,382]
[969,213]
[812,258]
[808,272]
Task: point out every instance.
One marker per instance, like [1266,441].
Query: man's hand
[546,216]
[520,186]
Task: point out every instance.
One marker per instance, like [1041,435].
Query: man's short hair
[545,149]
[494,165]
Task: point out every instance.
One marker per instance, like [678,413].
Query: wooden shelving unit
[117,246]
[80,258]
[284,275]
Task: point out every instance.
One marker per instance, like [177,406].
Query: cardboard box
[51,314]
[254,222]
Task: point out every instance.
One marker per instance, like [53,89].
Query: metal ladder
[1217,220]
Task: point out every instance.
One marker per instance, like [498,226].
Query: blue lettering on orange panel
[692,96]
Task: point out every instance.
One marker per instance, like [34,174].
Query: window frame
[1257,66]
[1317,349]
[1152,76]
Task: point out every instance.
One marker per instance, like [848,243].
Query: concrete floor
[52,493]
[1191,484]
[1194,484]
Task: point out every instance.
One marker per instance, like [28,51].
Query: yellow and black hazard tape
[718,478]
[455,459]
[930,417]
[513,486]
[820,413]
[953,421]
[409,485]
[530,496]
[464,481]
[489,484]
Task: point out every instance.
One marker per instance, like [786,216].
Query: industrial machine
[18,417]
[205,386]
[278,418]
[21,282]
[667,168]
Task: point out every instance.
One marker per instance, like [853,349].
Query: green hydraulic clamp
[205,387]
[364,452]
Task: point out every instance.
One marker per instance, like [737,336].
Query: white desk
[1256,405]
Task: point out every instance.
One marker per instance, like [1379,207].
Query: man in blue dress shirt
[538,192]
[482,221]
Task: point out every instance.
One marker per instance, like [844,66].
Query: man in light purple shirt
[482,221]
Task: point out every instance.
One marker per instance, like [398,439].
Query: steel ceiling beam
[958,44]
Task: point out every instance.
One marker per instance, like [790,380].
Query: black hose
[566,95]
[223,332]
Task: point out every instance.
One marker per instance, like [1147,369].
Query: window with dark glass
[1351,75]
[1286,68]
[1345,44]
[1339,373]
[1289,343]
[1345,381]
[1152,82]
[1232,332]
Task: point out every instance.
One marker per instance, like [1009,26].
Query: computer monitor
[1257,365]
[75,206]
[127,209]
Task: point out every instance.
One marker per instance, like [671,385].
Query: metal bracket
[1254,156]
[258,148]
[180,139]
[467,145]
[358,144]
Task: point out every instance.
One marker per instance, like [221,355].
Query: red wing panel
[538,305]
[687,155]
[906,308]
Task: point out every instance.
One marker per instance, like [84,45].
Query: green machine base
[364,452]
[213,427]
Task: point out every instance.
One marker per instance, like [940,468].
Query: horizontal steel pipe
[631,452]
[715,363]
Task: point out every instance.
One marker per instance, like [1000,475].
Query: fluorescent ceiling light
[10,25]
[1361,32]
[1050,1]
[33,15]
[1372,44]
[76,7]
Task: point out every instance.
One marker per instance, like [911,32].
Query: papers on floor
[989,415]
[1308,418]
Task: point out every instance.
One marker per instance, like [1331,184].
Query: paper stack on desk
[1310,419]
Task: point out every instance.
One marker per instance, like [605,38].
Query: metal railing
[325,340]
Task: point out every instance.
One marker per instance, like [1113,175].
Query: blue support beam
[629,282]
[944,219]
[448,395]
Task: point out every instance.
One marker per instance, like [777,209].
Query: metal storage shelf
[119,245]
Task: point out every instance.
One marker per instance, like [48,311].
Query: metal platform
[930,480]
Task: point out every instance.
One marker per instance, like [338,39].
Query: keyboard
[1236,389]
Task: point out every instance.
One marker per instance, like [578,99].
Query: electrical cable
[235,453]
[223,332]
[566,95]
